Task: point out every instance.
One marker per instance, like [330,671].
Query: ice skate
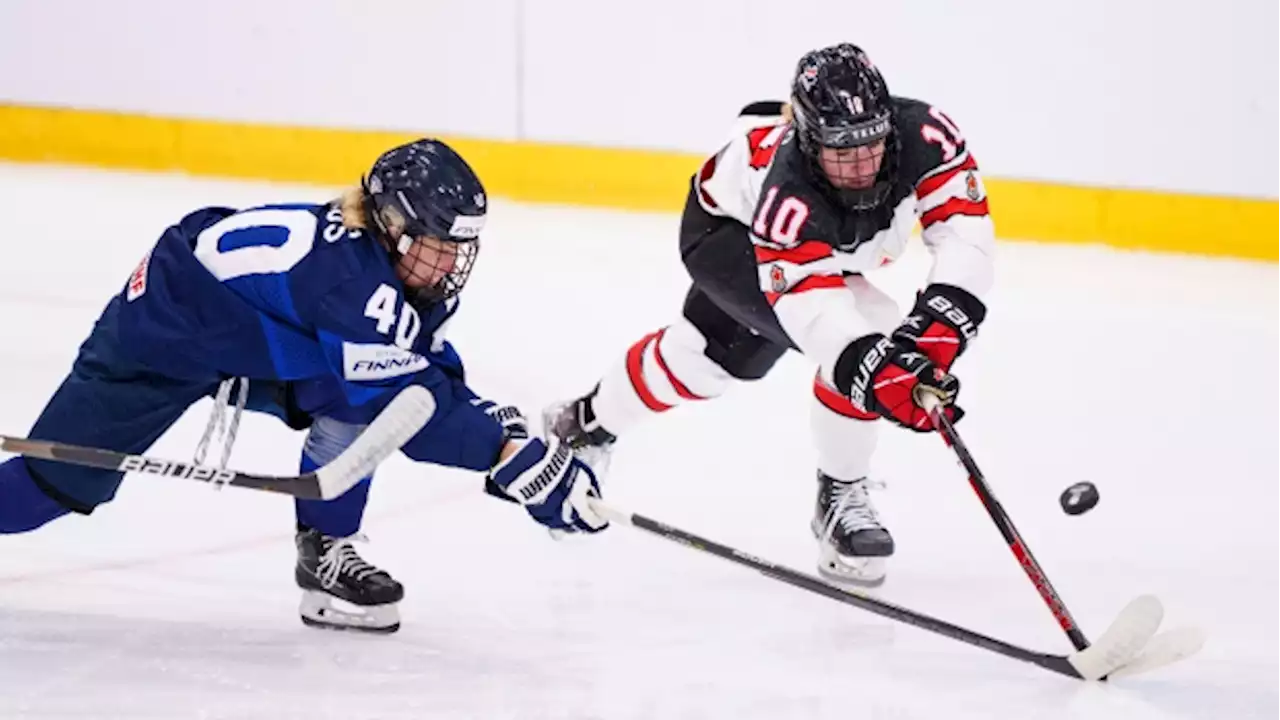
[330,570]
[852,544]
[575,423]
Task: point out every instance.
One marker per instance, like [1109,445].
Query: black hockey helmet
[425,193]
[839,101]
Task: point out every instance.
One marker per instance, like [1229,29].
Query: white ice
[1152,376]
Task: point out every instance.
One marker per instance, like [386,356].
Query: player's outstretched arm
[554,485]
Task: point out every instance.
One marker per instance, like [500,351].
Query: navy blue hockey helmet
[429,207]
[841,104]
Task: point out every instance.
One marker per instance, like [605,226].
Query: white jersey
[806,243]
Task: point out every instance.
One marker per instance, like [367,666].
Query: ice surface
[1155,377]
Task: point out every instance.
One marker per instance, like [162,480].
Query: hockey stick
[1142,651]
[1004,524]
[402,418]
[1120,643]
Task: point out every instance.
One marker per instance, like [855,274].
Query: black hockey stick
[1119,650]
[1005,525]
[403,417]
[1121,642]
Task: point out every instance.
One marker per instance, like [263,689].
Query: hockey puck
[1079,498]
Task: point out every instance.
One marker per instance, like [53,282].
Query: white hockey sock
[844,436]
[661,370]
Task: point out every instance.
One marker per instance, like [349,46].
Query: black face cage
[814,137]
[874,197]
[464,258]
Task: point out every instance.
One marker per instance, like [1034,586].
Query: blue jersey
[287,293]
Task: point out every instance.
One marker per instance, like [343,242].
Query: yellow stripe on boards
[605,177]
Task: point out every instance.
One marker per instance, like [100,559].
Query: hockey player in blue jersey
[318,314]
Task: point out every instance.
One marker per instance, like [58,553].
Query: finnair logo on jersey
[370,361]
[467,226]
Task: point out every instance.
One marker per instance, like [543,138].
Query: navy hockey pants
[110,401]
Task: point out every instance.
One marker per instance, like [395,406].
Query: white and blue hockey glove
[551,483]
[514,424]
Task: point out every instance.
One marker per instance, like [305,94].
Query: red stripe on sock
[681,389]
[635,371]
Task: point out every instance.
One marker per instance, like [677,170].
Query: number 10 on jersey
[783,225]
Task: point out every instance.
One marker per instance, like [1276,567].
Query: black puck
[1079,498]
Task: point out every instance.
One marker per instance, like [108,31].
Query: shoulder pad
[929,138]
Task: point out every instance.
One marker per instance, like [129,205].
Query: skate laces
[852,508]
[219,429]
[342,559]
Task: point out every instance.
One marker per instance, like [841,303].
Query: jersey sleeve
[728,183]
[951,202]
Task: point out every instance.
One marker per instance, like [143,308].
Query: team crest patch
[138,280]
[777,279]
[971,187]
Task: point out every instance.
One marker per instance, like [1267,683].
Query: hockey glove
[515,426]
[884,378]
[551,483]
[945,318]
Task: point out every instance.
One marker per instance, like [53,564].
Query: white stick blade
[1164,649]
[402,418]
[1121,643]
[613,515]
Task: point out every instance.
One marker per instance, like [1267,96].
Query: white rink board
[1174,95]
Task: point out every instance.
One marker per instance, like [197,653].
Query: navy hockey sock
[23,505]
[339,517]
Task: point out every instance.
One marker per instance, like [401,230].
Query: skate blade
[867,572]
[319,610]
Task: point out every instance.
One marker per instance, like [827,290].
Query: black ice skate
[852,544]
[330,568]
[575,423]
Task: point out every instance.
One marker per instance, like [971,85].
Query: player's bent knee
[733,347]
[328,438]
[78,489]
[24,505]
[747,358]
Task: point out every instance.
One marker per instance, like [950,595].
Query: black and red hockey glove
[882,377]
[945,318]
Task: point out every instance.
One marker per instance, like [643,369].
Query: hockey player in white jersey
[778,230]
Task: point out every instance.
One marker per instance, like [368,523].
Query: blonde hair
[352,205]
[787,113]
